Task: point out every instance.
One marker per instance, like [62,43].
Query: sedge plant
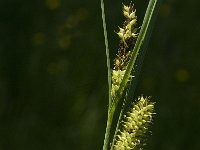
[134,120]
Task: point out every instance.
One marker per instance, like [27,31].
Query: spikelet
[127,35]
[134,126]
[128,31]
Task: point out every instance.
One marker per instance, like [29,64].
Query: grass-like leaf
[142,38]
[140,58]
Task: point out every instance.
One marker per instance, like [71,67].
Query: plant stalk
[110,112]
[107,51]
[108,128]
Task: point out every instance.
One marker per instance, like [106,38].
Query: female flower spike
[134,126]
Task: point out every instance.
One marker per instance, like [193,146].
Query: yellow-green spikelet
[134,126]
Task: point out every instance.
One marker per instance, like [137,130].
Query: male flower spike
[127,35]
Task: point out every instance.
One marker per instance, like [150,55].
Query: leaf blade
[141,38]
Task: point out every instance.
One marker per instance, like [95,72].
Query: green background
[53,76]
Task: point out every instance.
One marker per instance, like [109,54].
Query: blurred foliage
[53,84]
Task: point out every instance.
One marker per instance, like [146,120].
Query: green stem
[108,128]
[118,122]
[107,51]
[110,112]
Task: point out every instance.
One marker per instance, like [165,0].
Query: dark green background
[53,79]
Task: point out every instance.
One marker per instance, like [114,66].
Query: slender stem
[107,50]
[118,122]
[108,128]
[110,110]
